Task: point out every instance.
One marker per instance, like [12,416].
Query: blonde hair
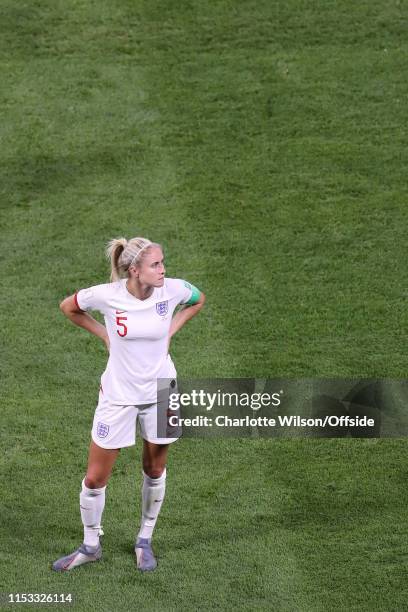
[123,253]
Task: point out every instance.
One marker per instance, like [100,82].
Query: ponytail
[114,250]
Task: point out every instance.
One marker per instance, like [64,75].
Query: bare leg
[154,458]
[100,464]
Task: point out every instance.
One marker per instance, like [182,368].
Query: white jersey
[138,332]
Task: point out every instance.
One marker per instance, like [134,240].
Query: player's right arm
[79,317]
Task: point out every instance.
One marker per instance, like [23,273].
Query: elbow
[201,301]
[69,306]
[63,306]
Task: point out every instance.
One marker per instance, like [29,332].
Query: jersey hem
[144,403]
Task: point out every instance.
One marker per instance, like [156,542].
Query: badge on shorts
[102,430]
[162,308]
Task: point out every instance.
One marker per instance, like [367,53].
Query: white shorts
[114,425]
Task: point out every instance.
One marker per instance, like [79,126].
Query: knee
[95,481]
[153,471]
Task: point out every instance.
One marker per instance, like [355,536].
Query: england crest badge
[162,308]
[102,430]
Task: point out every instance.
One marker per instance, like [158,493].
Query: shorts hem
[108,447]
[162,440]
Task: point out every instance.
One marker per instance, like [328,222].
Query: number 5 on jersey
[119,322]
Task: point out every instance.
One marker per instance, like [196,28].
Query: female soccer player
[138,306]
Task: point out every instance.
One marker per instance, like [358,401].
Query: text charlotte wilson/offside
[280,421]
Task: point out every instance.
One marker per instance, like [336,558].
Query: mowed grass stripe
[296,183]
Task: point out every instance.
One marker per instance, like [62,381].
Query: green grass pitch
[264,144]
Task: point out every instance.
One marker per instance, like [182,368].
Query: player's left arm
[187,312]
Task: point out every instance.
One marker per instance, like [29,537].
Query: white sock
[152,498]
[92,503]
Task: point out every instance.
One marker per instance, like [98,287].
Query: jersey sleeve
[92,298]
[189,294]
